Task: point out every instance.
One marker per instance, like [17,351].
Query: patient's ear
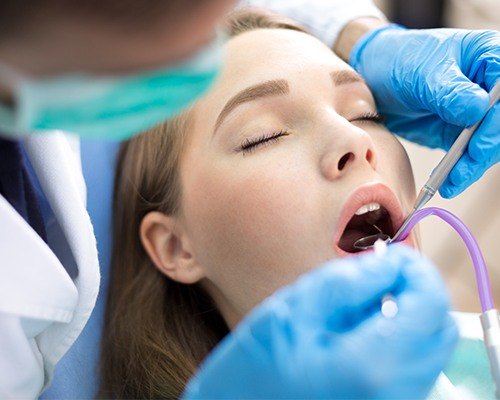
[169,248]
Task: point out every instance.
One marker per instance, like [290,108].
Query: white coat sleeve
[324,19]
[21,363]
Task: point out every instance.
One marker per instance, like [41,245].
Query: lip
[368,193]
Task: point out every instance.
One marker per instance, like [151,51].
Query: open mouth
[371,209]
[369,219]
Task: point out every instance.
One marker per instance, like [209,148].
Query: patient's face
[271,182]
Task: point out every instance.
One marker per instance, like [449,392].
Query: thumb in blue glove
[430,84]
[325,336]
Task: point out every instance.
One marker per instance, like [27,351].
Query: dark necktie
[16,185]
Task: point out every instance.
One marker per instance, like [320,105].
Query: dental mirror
[367,242]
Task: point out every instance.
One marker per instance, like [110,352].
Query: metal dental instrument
[389,307]
[446,164]
[436,178]
[369,241]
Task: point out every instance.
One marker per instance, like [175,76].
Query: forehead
[267,54]
[275,53]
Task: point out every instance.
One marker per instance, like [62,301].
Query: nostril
[369,156]
[344,160]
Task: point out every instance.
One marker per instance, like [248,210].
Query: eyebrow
[277,87]
[269,88]
[345,77]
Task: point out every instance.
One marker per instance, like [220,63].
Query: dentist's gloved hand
[432,83]
[325,337]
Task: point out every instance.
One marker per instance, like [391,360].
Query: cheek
[260,227]
[245,212]
[394,165]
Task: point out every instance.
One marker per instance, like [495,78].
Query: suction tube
[490,320]
[482,279]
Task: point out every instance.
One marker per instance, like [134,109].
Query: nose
[348,151]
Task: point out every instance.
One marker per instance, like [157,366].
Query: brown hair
[157,331]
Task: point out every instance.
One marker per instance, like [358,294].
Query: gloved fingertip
[445,192]
[461,172]
[470,98]
[449,191]
[479,152]
[484,144]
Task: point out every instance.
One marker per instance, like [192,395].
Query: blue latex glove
[430,84]
[325,337]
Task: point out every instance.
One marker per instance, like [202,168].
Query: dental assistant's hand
[430,84]
[325,337]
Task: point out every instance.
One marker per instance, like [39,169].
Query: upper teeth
[367,208]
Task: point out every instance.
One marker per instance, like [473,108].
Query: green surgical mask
[107,107]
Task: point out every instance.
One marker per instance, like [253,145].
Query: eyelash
[370,117]
[250,145]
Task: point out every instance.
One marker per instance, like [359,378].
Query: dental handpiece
[490,320]
[446,164]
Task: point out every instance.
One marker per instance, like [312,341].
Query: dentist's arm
[325,336]
[327,20]
[353,32]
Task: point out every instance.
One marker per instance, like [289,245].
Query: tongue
[349,237]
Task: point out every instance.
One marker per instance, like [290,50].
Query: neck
[230,314]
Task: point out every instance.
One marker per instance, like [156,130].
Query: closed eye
[250,145]
[369,117]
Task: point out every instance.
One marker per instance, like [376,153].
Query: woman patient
[280,167]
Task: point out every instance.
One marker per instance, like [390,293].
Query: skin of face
[254,221]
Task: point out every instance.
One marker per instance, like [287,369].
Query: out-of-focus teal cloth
[468,374]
